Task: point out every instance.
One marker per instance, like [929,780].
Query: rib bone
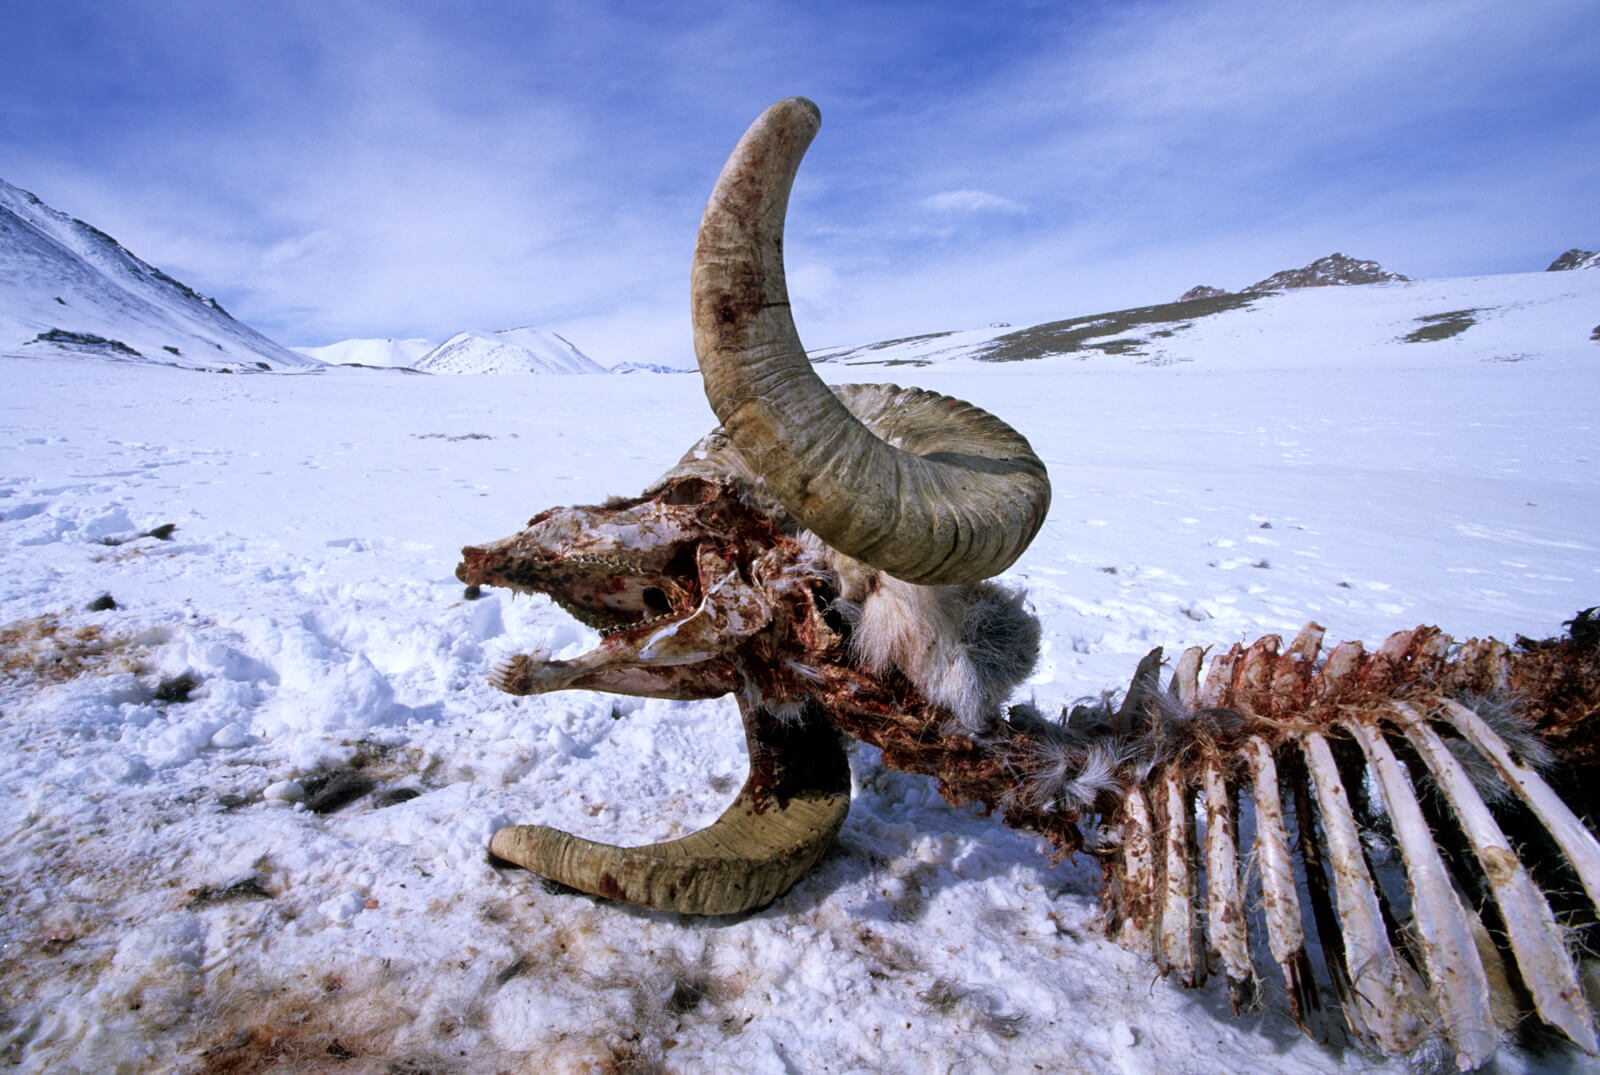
[1383,999]
[1281,906]
[1225,917]
[1535,938]
[1138,873]
[1575,841]
[1180,934]
[1460,988]
[1186,677]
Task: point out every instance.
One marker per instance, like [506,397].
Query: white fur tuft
[966,648]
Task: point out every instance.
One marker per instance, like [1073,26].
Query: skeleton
[824,555]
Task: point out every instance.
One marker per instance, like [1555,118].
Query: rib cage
[1428,890]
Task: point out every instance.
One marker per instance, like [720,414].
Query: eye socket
[689,491]
[682,564]
[655,600]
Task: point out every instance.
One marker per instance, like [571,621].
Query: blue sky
[333,169]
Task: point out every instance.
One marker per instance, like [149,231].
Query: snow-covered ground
[169,903]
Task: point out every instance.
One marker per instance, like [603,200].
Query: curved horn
[961,507]
[790,808]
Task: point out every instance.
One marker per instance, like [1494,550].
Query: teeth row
[619,566]
[607,624]
[651,622]
[591,618]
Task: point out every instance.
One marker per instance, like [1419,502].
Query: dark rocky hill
[1576,259]
[1332,271]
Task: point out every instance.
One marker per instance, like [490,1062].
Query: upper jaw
[627,564]
[606,592]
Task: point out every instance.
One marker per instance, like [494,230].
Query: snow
[170,900]
[519,350]
[57,273]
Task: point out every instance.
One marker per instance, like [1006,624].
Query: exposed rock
[1335,269]
[1576,259]
[1324,272]
[175,689]
[327,792]
[85,341]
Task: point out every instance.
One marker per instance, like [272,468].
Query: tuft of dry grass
[337,1023]
[45,650]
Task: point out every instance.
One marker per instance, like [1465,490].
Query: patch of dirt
[44,649]
[374,768]
[328,1026]
[1442,326]
[1106,333]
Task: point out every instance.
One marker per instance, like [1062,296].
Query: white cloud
[971,201]
[297,251]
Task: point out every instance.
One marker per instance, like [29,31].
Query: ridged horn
[790,808]
[959,507]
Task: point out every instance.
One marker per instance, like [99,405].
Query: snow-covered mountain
[69,289]
[385,353]
[512,350]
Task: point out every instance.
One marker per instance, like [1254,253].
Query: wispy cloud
[971,201]
[351,167]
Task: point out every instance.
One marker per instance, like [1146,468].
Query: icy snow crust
[168,902]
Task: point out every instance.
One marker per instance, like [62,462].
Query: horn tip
[803,103]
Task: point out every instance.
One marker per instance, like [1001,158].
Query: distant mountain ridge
[517,350]
[1335,270]
[69,289]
